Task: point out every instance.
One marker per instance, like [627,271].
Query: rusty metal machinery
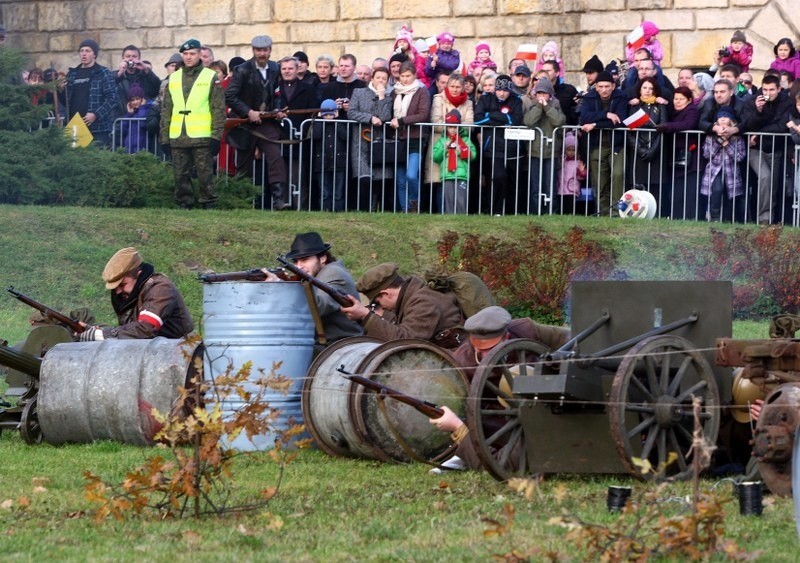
[774,366]
[620,389]
[773,438]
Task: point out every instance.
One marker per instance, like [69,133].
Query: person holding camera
[739,53]
[769,110]
[132,71]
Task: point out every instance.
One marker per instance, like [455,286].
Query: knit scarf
[458,100]
[403,95]
[461,150]
[647,99]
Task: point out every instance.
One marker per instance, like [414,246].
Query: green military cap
[189,44]
[490,322]
[376,279]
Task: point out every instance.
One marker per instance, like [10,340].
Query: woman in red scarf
[453,97]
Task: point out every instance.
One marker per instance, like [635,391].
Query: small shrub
[763,264]
[199,478]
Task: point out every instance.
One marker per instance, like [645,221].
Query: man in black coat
[769,112]
[603,110]
[251,92]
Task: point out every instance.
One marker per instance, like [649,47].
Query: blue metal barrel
[268,324]
[106,390]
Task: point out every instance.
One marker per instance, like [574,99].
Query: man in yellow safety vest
[192,122]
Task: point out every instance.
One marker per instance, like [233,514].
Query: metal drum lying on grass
[346,419]
[267,324]
[106,390]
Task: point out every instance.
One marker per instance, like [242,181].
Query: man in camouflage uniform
[192,122]
[147,304]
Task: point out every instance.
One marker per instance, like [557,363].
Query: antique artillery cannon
[620,389]
[24,361]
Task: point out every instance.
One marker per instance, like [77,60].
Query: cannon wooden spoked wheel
[651,405]
[493,411]
[29,428]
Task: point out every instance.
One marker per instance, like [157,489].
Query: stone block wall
[50,30]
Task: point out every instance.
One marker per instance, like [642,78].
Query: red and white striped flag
[638,119]
[526,52]
[636,38]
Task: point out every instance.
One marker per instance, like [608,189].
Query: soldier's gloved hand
[91,334]
[214,147]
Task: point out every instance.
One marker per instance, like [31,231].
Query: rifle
[428,409]
[232,122]
[48,312]
[254,274]
[338,295]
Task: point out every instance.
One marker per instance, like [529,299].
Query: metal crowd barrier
[505,178]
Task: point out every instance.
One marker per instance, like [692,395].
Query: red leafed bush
[763,264]
[530,276]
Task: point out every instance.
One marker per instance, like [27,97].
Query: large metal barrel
[106,390]
[268,324]
[346,419]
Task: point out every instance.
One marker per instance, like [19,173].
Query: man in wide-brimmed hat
[147,304]
[312,255]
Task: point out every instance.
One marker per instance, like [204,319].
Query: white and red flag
[526,52]
[636,38]
[433,44]
[638,119]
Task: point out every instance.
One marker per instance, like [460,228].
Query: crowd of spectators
[713,145]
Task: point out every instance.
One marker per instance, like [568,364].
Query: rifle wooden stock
[74,325]
[232,122]
[338,295]
[428,409]
[254,274]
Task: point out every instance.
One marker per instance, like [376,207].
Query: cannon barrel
[20,361]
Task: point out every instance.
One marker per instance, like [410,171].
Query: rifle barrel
[338,295]
[47,311]
[428,409]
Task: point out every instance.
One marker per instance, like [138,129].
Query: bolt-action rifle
[255,274]
[232,122]
[338,295]
[74,325]
[428,409]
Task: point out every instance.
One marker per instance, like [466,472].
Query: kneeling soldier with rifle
[147,304]
[311,260]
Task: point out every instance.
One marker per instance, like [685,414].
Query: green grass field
[327,509]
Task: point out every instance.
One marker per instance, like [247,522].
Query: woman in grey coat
[371,107]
